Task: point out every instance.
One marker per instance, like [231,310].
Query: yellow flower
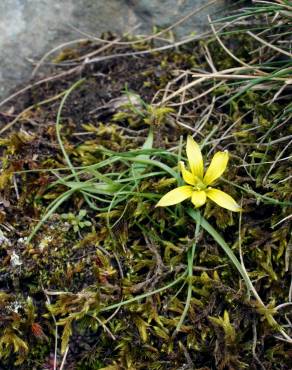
[199,185]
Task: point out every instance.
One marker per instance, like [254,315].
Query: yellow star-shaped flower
[199,184]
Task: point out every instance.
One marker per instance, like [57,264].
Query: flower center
[199,185]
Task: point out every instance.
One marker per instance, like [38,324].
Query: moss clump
[106,243]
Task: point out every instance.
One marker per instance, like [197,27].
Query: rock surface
[28,28]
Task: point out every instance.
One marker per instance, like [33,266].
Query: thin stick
[40,82]
[105,328]
[254,345]
[40,62]
[10,124]
[206,116]
[281,51]
[149,51]
[56,330]
[269,317]
[227,50]
[236,76]
[184,102]
[64,358]
[283,220]
[217,141]
[276,161]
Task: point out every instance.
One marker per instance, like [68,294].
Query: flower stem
[191,254]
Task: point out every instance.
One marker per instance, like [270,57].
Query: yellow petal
[175,196]
[223,200]
[195,158]
[217,167]
[199,198]
[187,175]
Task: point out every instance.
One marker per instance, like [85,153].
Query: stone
[29,28]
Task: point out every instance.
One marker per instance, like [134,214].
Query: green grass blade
[196,216]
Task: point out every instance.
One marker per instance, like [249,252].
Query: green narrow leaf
[195,215]
[138,168]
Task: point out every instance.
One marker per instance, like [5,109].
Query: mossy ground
[69,275]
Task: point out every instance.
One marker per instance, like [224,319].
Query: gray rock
[28,28]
